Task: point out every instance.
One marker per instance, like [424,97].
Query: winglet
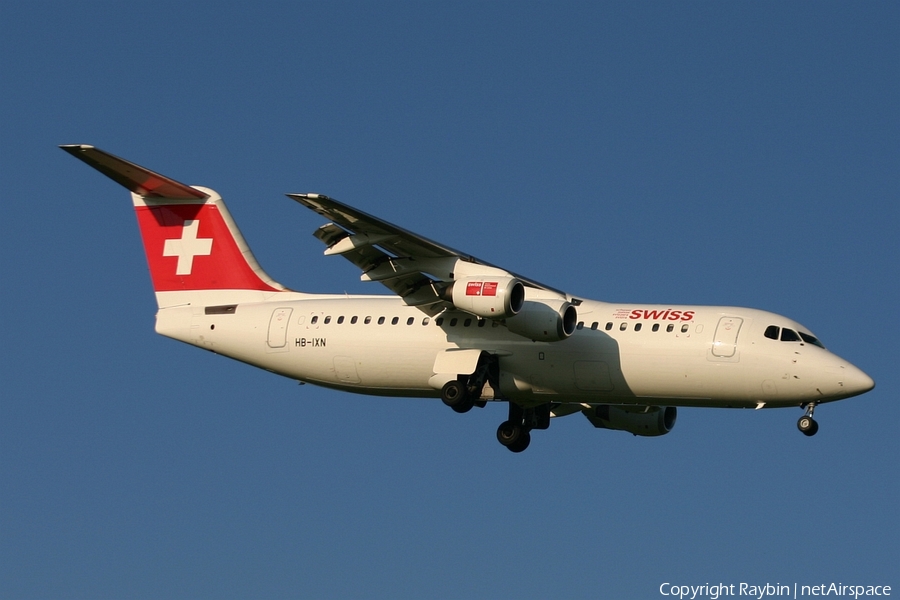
[139,180]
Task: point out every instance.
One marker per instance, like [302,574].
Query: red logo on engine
[473,288]
[489,289]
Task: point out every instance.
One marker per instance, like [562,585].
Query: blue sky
[730,153]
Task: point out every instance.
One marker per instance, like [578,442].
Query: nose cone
[855,382]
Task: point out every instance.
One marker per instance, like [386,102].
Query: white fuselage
[619,354]
[459,328]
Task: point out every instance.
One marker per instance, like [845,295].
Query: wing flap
[330,234]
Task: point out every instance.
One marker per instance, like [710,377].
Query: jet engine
[546,320]
[651,421]
[488,297]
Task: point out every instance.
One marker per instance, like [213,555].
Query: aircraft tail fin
[195,251]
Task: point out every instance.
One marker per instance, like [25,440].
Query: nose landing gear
[807,425]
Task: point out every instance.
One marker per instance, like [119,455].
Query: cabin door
[725,342]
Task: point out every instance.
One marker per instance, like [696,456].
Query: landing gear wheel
[508,433]
[463,406]
[521,443]
[513,436]
[807,425]
[453,394]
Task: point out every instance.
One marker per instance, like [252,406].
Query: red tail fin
[191,241]
[194,247]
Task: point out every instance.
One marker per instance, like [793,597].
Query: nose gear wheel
[807,425]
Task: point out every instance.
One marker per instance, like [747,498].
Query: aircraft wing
[412,266]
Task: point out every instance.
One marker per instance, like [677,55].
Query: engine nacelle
[549,320]
[488,297]
[655,421]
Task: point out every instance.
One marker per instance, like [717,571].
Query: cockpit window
[773,332]
[789,335]
[811,339]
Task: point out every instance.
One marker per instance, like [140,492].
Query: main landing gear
[515,437]
[515,432]
[464,393]
[807,425]
[455,395]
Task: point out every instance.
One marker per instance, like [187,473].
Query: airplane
[461,329]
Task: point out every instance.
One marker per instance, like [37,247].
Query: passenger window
[367,320]
[656,327]
[328,319]
[789,335]
[637,326]
[481,322]
[410,320]
[314,320]
[772,332]
[580,325]
[684,328]
[453,322]
[609,326]
[353,320]
[395,320]
[623,326]
[439,321]
[594,326]
[381,320]
[340,319]
[670,328]
[425,321]
[467,322]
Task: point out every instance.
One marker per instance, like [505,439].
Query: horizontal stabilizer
[139,180]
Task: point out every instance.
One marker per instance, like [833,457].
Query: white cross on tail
[188,247]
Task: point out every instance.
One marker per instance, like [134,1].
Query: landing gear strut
[807,425]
